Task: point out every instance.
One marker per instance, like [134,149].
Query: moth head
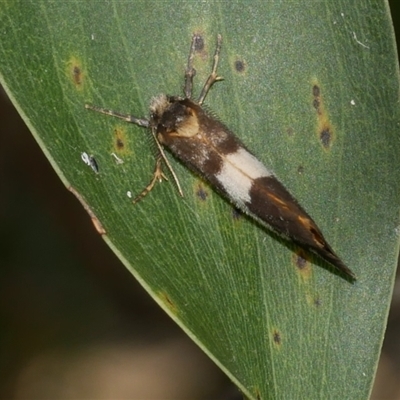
[173,116]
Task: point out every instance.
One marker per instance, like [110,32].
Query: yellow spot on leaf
[325,130]
[75,72]
[169,303]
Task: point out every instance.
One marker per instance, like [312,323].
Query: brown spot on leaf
[120,141]
[301,261]
[300,169]
[276,337]
[75,72]
[325,137]
[324,126]
[317,302]
[316,91]
[164,297]
[240,66]
[201,192]
[198,43]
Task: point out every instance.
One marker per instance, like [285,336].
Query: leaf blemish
[301,262]
[316,91]
[276,337]
[96,222]
[300,169]
[201,192]
[199,43]
[120,140]
[75,72]
[168,302]
[325,137]
[240,66]
[324,126]
[317,302]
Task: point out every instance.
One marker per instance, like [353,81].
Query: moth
[207,147]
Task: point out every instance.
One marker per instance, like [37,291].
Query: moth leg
[158,175]
[190,71]
[128,118]
[213,77]
[163,157]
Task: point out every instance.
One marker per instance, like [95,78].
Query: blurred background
[74,322]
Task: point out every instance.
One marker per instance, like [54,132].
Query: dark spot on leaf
[301,262]
[317,302]
[325,137]
[77,75]
[120,144]
[324,126]
[240,66]
[300,169]
[276,336]
[198,43]
[290,131]
[164,297]
[201,193]
[300,259]
[316,91]
[119,140]
[75,72]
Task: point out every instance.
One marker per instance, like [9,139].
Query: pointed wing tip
[336,262]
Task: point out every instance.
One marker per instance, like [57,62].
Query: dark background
[74,322]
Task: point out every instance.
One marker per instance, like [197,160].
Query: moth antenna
[213,77]
[145,123]
[190,71]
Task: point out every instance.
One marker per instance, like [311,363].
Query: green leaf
[313,89]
